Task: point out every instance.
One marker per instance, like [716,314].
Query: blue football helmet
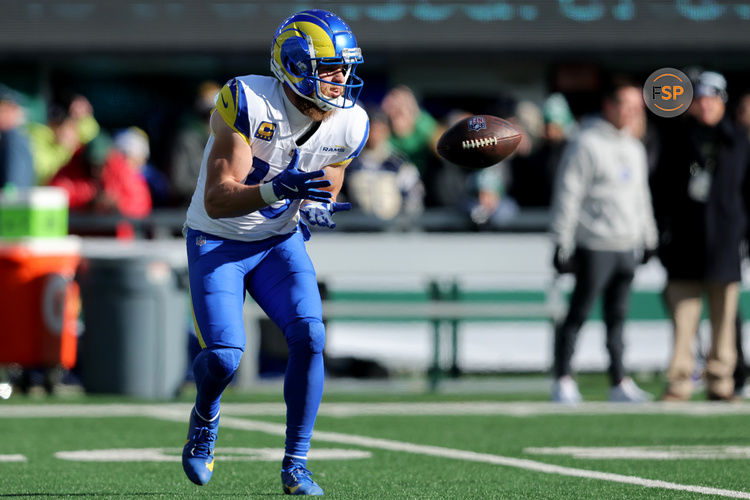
[308,41]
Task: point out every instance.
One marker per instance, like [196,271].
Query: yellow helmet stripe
[320,38]
[321,41]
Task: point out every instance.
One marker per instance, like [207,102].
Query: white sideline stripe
[520,409]
[12,458]
[438,451]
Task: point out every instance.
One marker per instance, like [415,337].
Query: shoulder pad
[232,106]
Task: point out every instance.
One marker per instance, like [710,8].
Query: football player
[278,149]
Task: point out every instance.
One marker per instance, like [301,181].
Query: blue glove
[293,184]
[321,214]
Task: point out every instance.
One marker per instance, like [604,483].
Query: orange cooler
[39,301]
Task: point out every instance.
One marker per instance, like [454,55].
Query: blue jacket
[16,166]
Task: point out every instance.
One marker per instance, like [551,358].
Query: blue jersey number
[260,170]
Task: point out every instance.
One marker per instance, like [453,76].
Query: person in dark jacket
[701,193]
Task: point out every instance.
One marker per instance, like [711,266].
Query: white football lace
[479,143]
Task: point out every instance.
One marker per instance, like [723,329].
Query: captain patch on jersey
[265,131]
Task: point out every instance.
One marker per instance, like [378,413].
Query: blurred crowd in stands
[398,175]
[104,172]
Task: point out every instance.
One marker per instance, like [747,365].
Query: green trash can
[134,339]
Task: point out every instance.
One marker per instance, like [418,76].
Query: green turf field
[383,446]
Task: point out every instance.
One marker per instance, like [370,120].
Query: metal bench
[443,311]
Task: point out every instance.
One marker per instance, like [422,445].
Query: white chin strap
[327,106]
[320,103]
[324,106]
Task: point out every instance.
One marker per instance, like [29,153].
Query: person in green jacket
[53,143]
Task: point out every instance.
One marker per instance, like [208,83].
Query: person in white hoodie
[602,227]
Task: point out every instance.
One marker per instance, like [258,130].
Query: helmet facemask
[350,89]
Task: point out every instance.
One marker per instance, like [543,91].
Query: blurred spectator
[187,151]
[481,194]
[415,133]
[700,190]
[487,202]
[743,113]
[740,371]
[448,181]
[491,200]
[16,167]
[67,128]
[533,175]
[99,179]
[382,181]
[602,222]
[530,119]
[133,144]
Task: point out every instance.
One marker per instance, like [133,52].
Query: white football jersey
[254,107]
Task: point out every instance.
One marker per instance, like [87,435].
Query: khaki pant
[685,301]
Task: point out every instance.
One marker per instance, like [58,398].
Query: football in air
[479,141]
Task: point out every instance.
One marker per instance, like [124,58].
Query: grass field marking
[530,408]
[178,415]
[520,409]
[80,410]
[12,458]
[456,454]
[519,463]
[227,454]
[676,452]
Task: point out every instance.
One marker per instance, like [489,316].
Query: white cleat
[627,392]
[565,390]
[742,393]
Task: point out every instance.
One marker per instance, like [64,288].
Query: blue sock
[213,369]
[303,386]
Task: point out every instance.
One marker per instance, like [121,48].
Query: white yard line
[227,454]
[680,452]
[178,412]
[12,458]
[438,451]
[520,409]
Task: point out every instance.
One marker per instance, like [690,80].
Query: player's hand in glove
[321,214]
[563,260]
[294,184]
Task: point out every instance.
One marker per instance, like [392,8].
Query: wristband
[268,194]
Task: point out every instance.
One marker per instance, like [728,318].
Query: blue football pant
[280,277]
